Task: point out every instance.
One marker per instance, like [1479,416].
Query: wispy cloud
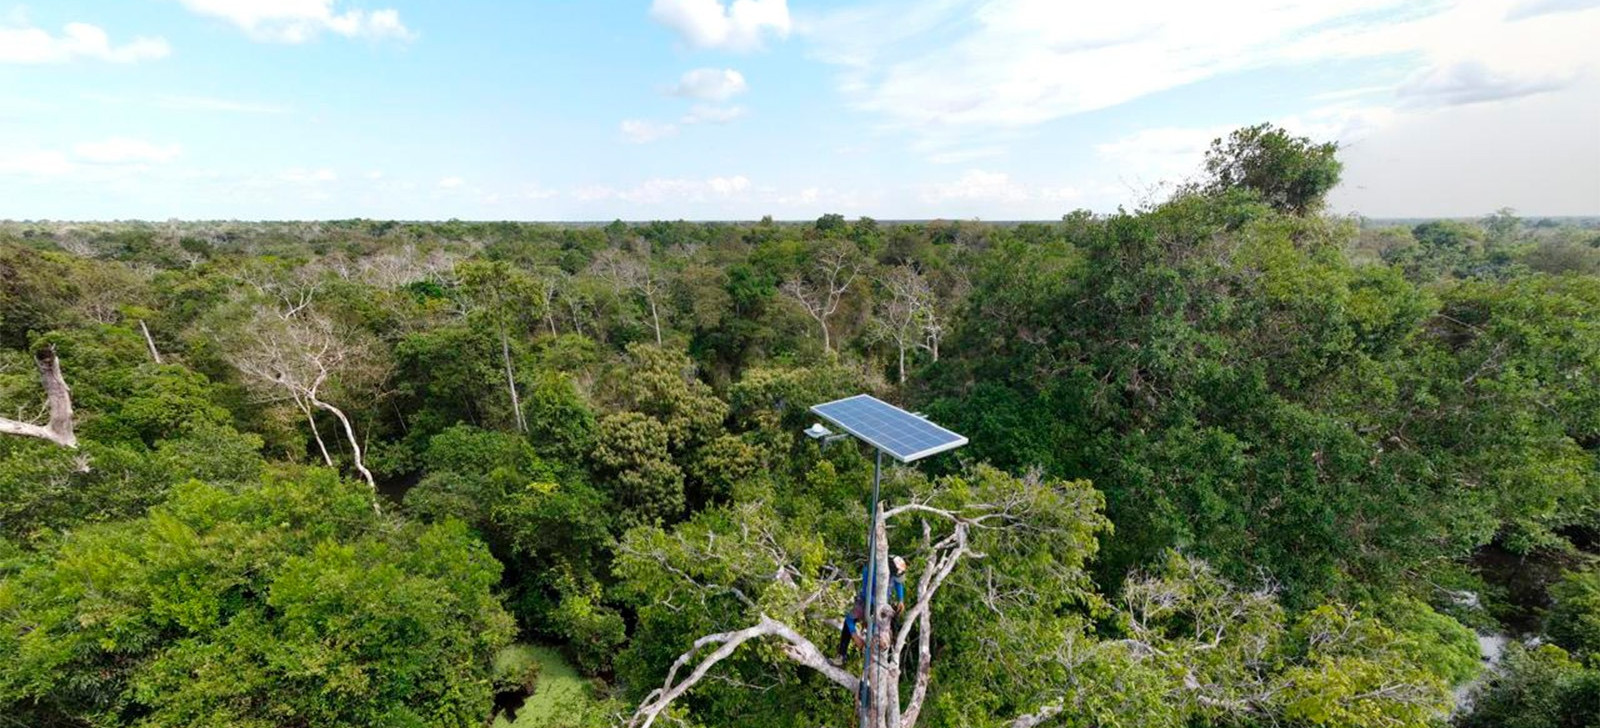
[77,40]
[1471,82]
[953,73]
[1164,155]
[1535,8]
[640,131]
[298,21]
[201,103]
[308,176]
[34,162]
[110,158]
[123,150]
[661,190]
[711,84]
[705,114]
[968,154]
[742,25]
[995,187]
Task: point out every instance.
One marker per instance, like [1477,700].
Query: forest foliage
[1251,458]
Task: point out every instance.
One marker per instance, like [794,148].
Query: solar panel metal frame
[829,411]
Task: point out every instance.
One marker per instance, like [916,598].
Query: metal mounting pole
[907,437]
[870,587]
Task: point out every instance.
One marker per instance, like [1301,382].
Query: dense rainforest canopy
[1234,462]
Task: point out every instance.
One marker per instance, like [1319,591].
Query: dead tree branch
[799,649]
[58,397]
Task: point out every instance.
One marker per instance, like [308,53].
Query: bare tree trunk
[902,349]
[511,382]
[355,449]
[576,324]
[884,650]
[880,683]
[655,318]
[315,433]
[919,690]
[797,648]
[154,353]
[58,396]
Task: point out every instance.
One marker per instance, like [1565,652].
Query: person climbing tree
[852,620]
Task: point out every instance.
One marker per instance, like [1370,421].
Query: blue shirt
[897,587]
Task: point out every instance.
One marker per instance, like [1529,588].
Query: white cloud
[35,163]
[994,187]
[308,176]
[97,160]
[77,40]
[812,201]
[202,103]
[375,175]
[122,150]
[740,26]
[639,131]
[969,154]
[593,193]
[297,21]
[1158,154]
[705,114]
[675,190]
[711,84]
[1171,154]
[1471,82]
[806,196]
[451,183]
[956,71]
[725,186]
[1535,8]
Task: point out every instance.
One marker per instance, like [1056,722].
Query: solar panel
[904,436]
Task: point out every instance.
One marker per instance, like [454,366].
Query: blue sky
[711,109]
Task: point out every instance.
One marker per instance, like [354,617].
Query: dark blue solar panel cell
[904,436]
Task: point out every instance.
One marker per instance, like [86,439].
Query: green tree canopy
[1292,174]
[290,603]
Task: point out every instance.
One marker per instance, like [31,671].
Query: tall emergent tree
[1292,174]
[768,577]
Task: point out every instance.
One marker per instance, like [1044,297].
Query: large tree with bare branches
[904,315]
[633,274]
[302,357]
[1002,624]
[822,289]
[983,541]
